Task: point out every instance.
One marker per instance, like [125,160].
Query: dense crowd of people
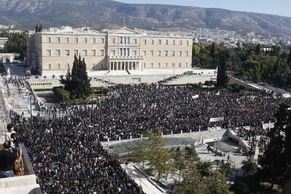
[66,150]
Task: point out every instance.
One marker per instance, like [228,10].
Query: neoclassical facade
[52,51]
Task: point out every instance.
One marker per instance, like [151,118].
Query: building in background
[51,52]
[3,40]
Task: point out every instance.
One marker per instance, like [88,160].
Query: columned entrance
[124,65]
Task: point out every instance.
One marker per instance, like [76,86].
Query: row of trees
[249,61]
[190,173]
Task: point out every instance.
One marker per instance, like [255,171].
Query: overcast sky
[276,7]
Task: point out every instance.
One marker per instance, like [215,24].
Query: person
[9,132]
[7,159]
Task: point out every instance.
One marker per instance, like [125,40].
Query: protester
[7,159]
[64,142]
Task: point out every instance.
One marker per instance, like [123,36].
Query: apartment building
[52,51]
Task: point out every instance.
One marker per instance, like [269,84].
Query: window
[102,40]
[153,41]
[121,40]
[85,40]
[166,64]
[49,39]
[159,53]
[152,65]
[94,52]
[174,42]
[102,52]
[186,64]
[85,53]
[173,53]
[67,52]
[59,66]
[135,41]
[181,42]
[68,65]
[58,53]
[134,53]
[160,41]
[76,52]
[152,53]
[49,66]
[58,39]
[166,53]
[68,40]
[167,42]
[173,64]
[49,53]
[76,40]
[128,40]
[188,42]
[159,65]
[94,40]
[180,53]
[180,64]
[145,41]
[113,41]
[187,53]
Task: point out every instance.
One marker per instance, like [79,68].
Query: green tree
[249,167]
[152,151]
[16,43]
[216,183]
[222,78]
[193,182]
[276,159]
[77,82]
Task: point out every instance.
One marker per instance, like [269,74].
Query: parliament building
[51,51]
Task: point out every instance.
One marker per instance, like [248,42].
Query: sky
[275,7]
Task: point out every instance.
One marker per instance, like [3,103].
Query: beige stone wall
[166,52]
[54,52]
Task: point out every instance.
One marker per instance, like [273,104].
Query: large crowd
[65,148]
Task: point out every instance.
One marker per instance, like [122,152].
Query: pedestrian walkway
[147,186]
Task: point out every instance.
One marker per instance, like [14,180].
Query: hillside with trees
[247,61]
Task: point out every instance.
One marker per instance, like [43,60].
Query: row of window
[165,42]
[66,66]
[122,52]
[165,53]
[41,84]
[76,40]
[159,65]
[122,40]
[59,53]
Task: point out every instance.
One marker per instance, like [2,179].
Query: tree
[221,74]
[249,167]
[16,43]
[216,183]
[152,151]
[276,159]
[77,82]
[192,182]
[289,58]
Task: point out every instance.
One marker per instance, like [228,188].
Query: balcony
[25,184]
